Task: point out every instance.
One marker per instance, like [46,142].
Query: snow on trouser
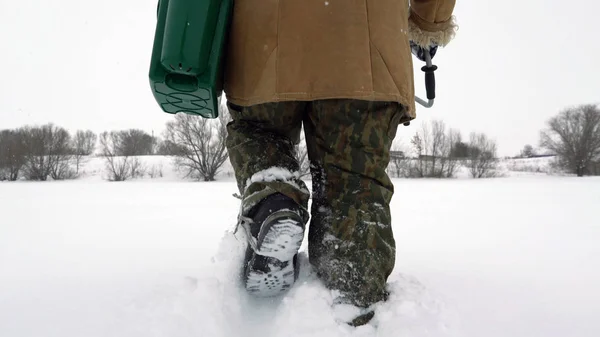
[351,244]
[275,230]
[186,70]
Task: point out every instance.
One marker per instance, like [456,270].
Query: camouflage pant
[351,244]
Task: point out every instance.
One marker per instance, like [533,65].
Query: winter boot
[275,231]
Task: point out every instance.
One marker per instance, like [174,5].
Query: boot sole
[271,269]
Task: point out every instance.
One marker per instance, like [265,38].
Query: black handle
[430,80]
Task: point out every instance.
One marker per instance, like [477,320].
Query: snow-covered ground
[506,257]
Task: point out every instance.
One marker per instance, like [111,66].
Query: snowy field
[507,257]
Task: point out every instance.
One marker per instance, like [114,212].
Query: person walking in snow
[343,69]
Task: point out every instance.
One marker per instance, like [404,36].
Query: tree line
[572,136]
[437,151]
[52,152]
[197,146]
[42,152]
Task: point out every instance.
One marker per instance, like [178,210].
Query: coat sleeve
[431,22]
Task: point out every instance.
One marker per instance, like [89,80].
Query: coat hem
[304,96]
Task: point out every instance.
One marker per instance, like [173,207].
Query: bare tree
[155,171]
[528,151]
[168,148]
[460,149]
[482,160]
[83,144]
[12,154]
[48,152]
[200,142]
[433,146]
[417,169]
[61,155]
[574,136]
[36,142]
[156,144]
[438,141]
[134,142]
[453,140]
[399,165]
[120,168]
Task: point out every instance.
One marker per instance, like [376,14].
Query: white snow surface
[511,256]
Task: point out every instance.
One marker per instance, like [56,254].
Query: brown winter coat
[281,50]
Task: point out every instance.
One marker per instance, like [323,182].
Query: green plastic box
[186,70]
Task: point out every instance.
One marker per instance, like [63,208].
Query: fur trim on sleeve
[425,38]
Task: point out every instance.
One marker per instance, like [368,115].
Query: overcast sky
[84,65]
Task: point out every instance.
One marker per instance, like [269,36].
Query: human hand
[420,52]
